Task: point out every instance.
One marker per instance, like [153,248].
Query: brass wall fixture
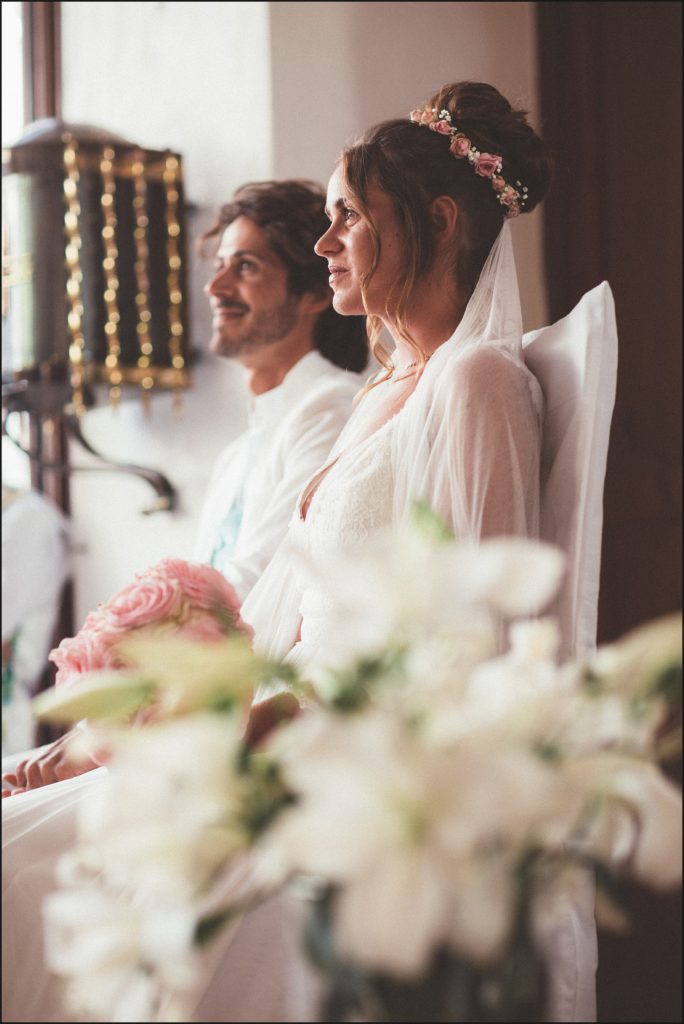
[93,263]
[93,280]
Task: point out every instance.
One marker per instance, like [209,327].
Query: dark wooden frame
[610,91]
[42,60]
[47,435]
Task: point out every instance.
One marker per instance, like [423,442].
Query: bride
[419,242]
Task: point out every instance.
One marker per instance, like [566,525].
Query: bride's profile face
[348,247]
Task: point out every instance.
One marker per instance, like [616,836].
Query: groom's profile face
[250,301]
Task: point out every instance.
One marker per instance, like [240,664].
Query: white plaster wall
[194,78]
[247,91]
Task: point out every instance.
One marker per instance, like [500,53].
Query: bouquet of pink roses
[175,598]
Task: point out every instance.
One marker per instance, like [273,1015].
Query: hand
[52,763]
[264,716]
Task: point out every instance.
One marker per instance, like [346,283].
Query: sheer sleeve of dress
[468,440]
[475,461]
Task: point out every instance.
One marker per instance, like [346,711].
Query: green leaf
[208,927]
[264,791]
[192,675]
[103,696]
[351,687]
[431,524]
[668,681]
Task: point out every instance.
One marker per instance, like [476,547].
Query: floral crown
[487,165]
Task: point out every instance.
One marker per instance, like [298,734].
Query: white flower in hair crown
[487,165]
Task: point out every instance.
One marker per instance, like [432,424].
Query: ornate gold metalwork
[171,181]
[118,215]
[142,252]
[109,264]
[72,257]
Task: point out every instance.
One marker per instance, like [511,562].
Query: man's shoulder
[330,386]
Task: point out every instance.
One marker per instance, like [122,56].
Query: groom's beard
[254,330]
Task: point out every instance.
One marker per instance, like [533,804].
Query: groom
[272,313]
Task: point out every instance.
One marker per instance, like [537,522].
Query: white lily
[106,948]
[380,599]
[637,822]
[377,805]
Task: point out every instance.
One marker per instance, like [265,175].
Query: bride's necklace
[403,370]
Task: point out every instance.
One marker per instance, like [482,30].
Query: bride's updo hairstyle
[414,165]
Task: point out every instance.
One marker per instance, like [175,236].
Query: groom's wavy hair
[292,216]
[413,165]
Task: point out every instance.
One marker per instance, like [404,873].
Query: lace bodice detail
[353,500]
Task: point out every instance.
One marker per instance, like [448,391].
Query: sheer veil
[466,441]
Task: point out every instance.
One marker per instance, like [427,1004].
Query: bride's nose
[328,243]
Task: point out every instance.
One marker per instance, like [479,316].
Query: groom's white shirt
[258,477]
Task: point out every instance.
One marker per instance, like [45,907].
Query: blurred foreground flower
[444,798]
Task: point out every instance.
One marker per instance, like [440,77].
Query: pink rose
[86,652]
[508,196]
[487,164]
[498,183]
[202,631]
[201,628]
[460,146]
[202,585]
[172,598]
[148,598]
[95,620]
[443,127]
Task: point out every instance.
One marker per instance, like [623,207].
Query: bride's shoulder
[481,365]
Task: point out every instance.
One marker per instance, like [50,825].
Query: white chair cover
[575,362]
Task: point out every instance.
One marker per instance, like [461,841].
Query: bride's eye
[348,214]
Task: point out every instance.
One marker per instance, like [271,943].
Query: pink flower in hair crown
[508,196]
[440,126]
[486,165]
[460,146]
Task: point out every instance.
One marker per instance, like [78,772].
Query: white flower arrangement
[439,795]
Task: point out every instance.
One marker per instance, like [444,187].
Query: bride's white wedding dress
[467,442]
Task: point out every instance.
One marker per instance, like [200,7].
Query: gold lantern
[93,266]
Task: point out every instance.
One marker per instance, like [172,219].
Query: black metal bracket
[167,498]
[15,400]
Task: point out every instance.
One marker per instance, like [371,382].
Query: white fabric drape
[575,361]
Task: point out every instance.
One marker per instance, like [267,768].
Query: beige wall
[193,77]
[247,91]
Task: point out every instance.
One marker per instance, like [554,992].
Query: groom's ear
[312,303]
[444,214]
